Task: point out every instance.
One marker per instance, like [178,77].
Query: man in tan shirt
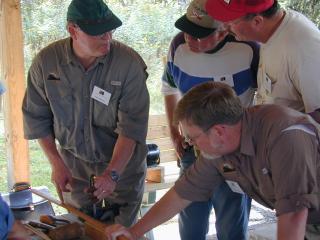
[270,152]
[88,92]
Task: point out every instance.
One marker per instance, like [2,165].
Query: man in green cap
[88,93]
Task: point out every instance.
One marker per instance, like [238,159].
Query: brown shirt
[277,164]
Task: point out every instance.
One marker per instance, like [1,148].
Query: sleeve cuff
[296,202]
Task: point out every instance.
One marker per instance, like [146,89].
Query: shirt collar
[228,38]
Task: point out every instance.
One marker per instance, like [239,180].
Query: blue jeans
[231,209]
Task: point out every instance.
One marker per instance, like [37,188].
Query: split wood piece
[94,227]
[155,174]
[37,232]
[68,231]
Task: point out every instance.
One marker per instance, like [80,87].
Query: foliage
[310,8]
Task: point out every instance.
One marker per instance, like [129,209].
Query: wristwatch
[114,175]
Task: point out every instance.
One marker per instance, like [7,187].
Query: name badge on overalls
[101,95]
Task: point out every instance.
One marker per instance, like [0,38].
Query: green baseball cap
[92,16]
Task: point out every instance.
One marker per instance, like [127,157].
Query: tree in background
[310,8]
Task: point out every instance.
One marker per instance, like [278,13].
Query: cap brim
[218,10]
[185,25]
[94,29]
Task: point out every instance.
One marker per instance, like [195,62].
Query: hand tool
[35,231]
[53,221]
[45,227]
[93,228]
[94,206]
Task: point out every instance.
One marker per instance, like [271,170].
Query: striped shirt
[232,62]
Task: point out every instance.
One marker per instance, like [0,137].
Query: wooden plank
[168,156]
[158,120]
[37,232]
[171,174]
[12,66]
[68,207]
[158,132]
[163,143]
[155,174]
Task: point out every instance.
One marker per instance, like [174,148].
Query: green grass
[40,170]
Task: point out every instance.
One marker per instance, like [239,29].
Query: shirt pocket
[106,116]
[61,104]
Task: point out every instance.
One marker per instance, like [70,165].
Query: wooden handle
[70,208]
[36,232]
[92,225]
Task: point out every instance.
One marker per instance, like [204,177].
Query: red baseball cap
[228,10]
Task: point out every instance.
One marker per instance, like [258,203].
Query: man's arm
[122,153]
[170,102]
[60,175]
[167,207]
[292,226]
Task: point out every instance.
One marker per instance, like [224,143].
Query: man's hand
[104,186]
[116,230]
[61,177]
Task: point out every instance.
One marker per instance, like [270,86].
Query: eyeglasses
[192,140]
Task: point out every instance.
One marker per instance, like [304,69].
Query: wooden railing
[158,133]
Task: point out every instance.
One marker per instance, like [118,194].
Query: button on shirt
[277,164]
[58,101]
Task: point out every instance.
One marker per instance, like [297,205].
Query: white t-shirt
[289,69]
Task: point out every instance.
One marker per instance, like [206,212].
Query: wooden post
[12,74]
